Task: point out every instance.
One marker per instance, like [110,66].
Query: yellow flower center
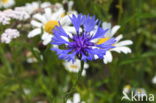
[140,91]
[50,25]
[74,66]
[128,87]
[5,1]
[102,40]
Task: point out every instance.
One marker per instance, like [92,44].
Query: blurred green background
[48,81]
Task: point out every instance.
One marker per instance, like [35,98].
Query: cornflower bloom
[81,43]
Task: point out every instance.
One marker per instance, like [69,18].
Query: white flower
[140,92]
[30,57]
[75,67]
[127,89]
[120,46]
[154,80]
[31,7]
[76,99]
[20,13]
[4,18]
[47,23]
[6,3]
[27,91]
[8,35]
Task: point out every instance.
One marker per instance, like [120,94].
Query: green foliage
[47,79]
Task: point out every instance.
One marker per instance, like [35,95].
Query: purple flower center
[81,44]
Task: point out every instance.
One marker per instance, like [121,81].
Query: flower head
[127,89]
[80,44]
[8,35]
[6,3]
[75,67]
[46,22]
[120,46]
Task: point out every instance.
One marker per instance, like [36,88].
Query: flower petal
[36,23]
[40,18]
[115,29]
[107,57]
[118,38]
[34,32]
[124,43]
[125,50]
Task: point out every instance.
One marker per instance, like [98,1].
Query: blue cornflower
[82,44]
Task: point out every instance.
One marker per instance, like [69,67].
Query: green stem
[75,82]
[120,8]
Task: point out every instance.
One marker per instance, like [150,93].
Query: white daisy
[75,67]
[120,46]
[140,92]
[6,3]
[76,99]
[127,89]
[47,23]
[154,80]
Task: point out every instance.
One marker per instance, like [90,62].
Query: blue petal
[59,31]
[77,21]
[89,23]
[99,33]
[58,41]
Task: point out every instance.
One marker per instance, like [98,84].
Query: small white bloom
[4,18]
[76,99]
[31,7]
[8,35]
[30,57]
[127,89]
[20,13]
[6,3]
[47,23]
[154,80]
[140,92]
[27,91]
[120,46]
[75,67]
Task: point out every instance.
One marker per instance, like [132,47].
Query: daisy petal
[114,29]
[48,13]
[118,38]
[34,32]
[36,24]
[40,18]
[65,20]
[124,43]
[125,50]
[46,38]
[108,57]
